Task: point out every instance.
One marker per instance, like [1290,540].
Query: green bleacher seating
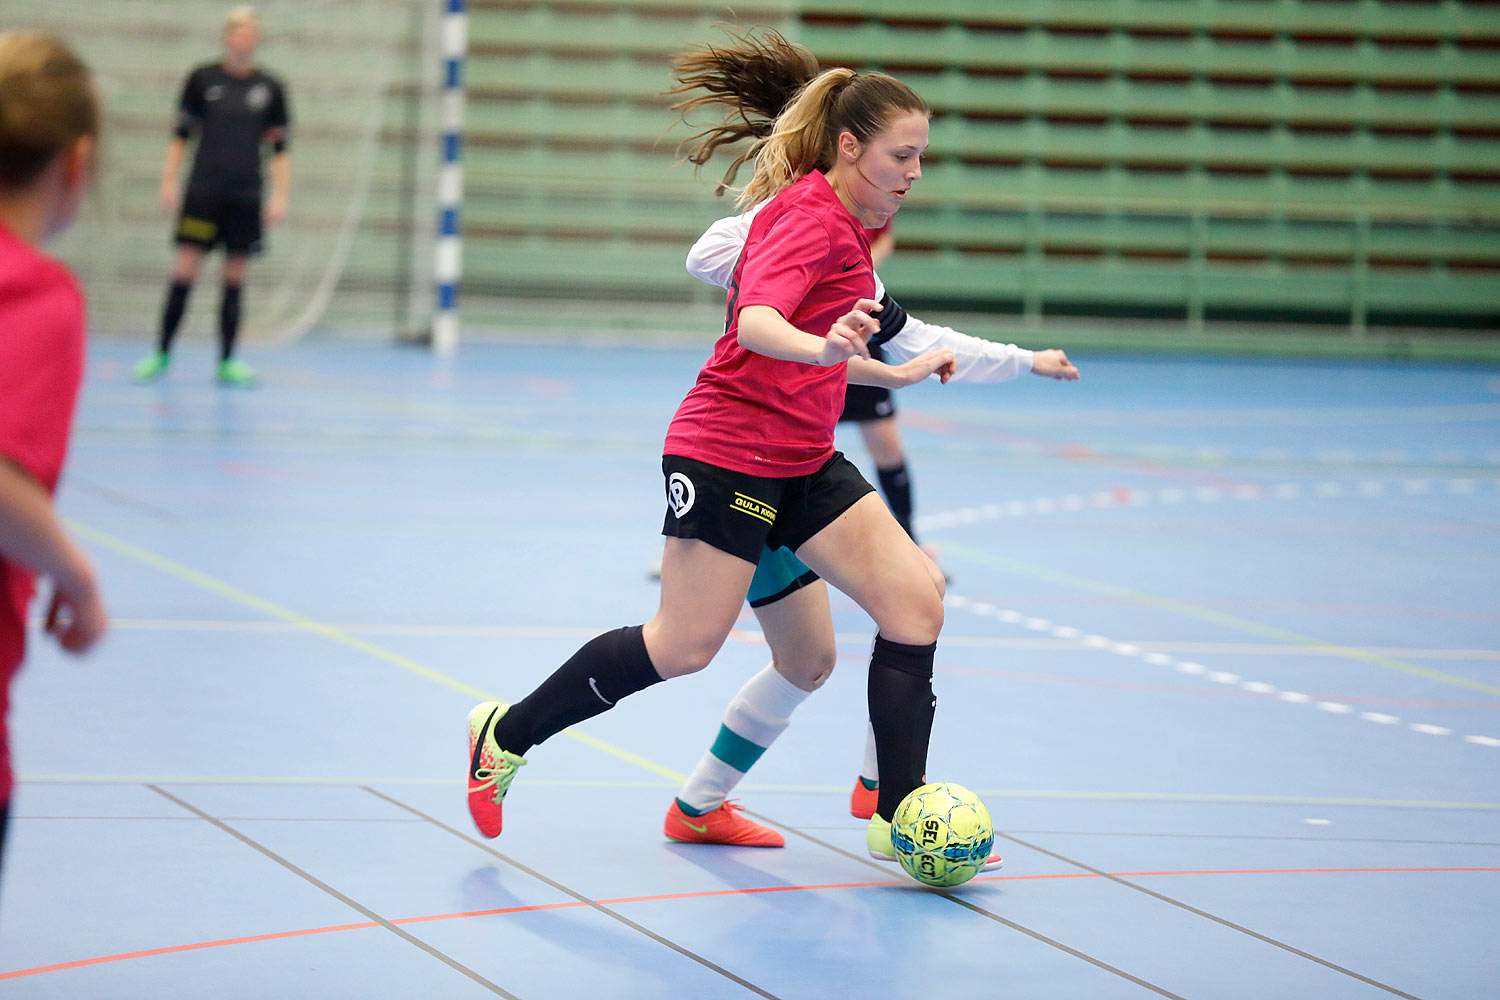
[1337,158]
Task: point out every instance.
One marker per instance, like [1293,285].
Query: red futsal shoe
[491,769]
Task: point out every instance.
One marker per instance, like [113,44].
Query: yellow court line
[199,579]
[1216,617]
[950,638]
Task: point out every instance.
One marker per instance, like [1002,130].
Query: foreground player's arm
[31,536]
[904,337]
[976,359]
[868,371]
[765,331]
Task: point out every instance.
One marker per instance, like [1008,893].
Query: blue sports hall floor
[1222,655]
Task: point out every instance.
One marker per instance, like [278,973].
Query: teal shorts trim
[778,573]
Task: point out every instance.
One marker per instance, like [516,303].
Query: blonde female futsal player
[749,458]
[49,123]
[789,600]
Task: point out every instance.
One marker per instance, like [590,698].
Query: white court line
[1109,500]
[1103,643]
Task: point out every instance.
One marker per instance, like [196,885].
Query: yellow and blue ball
[942,834]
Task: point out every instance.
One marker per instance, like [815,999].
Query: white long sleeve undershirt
[713,259]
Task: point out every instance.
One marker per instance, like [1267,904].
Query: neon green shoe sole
[878,839]
[234,372]
[151,367]
[878,843]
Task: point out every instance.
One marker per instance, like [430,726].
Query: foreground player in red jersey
[749,458]
[49,122]
[788,599]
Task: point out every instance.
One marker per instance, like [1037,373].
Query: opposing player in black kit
[236,109]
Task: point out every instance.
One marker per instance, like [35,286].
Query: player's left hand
[939,363]
[275,210]
[1053,364]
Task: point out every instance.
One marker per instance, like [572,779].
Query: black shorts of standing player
[213,218]
[743,514]
[864,403]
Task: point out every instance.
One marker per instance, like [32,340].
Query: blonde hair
[776,98]
[47,103]
[244,14]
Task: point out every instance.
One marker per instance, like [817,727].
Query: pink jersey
[809,259]
[41,366]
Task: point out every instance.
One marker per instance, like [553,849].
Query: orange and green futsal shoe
[491,769]
[864,799]
[723,825]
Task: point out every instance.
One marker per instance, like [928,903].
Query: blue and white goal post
[448,266]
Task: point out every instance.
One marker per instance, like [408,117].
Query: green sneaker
[878,839]
[151,367]
[878,843]
[491,769]
[235,372]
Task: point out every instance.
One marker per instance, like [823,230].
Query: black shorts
[210,218]
[863,403]
[743,514]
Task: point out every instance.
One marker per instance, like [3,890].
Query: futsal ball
[942,834]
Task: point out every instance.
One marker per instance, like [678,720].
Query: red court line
[369,924]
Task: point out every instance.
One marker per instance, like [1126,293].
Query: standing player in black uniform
[235,108]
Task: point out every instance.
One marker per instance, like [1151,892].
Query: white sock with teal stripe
[754,719]
[870,772]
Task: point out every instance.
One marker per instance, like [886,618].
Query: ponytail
[801,140]
[777,99]
[754,78]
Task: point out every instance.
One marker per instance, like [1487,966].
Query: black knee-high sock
[901,710]
[171,314]
[229,321]
[895,486]
[606,669]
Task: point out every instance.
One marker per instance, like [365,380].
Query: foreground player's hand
[1053,364]
[939,363]
[76,616]
[275,210]
[848,335]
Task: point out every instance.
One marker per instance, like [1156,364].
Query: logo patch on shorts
[680,494]
[196,229]
[754,507]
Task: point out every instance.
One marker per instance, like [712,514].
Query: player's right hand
[76,616]
[170,196]
[848,335]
